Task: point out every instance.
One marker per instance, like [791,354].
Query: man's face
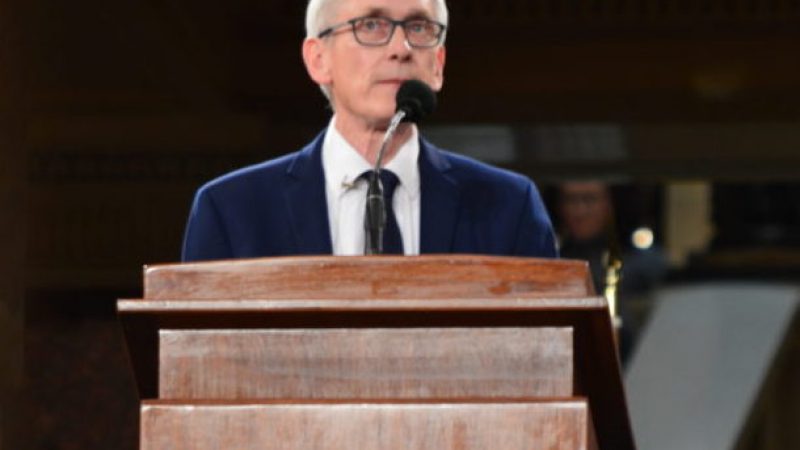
[585,209]
[364,80]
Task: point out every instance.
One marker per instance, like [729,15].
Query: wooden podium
[427,352]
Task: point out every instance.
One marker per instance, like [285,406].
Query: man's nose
[399,45]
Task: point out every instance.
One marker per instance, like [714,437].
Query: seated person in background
[313,201]
[588,232]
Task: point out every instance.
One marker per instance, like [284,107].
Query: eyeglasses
[374,31]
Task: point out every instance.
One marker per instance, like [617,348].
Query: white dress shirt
[347,194]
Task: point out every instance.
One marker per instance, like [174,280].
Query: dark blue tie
[392,240]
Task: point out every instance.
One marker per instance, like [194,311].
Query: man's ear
[316,60]
[438,71]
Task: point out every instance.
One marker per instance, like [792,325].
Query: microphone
[415,100]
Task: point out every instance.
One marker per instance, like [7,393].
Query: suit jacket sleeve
[535,236]
[205,237]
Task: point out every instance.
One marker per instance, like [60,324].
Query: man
[587,225]
[588,232]
[313,201]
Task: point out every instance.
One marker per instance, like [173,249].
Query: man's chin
[381,121]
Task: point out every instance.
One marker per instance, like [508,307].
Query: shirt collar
[343,164]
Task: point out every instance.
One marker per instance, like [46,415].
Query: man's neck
[367,138]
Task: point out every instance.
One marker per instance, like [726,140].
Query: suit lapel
[440,201]
[306,201]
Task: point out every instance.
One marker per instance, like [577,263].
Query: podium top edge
[318,260]
[236,305]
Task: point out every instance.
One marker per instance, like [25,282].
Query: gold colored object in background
[613,277]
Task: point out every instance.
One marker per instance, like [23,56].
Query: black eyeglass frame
[395,23]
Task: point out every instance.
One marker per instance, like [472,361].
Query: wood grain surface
[427,276]
[555,425]
[453,305]
[290,310]
[402,363]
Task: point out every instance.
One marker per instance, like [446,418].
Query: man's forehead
[400,9]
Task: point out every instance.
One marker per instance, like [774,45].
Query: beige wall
[688,220]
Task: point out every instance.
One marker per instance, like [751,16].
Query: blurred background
[662,132]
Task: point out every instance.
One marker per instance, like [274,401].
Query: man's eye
[372,24]
[416,27]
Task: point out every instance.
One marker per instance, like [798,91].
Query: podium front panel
[555,425]
[367,277]
[376,363]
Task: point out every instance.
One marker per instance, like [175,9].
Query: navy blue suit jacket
[279,207]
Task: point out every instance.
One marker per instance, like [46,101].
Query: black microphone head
[417,99]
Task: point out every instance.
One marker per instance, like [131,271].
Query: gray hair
[319,13]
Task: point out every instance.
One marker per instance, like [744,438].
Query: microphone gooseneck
[415,100]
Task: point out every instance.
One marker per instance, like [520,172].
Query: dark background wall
[112,113]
